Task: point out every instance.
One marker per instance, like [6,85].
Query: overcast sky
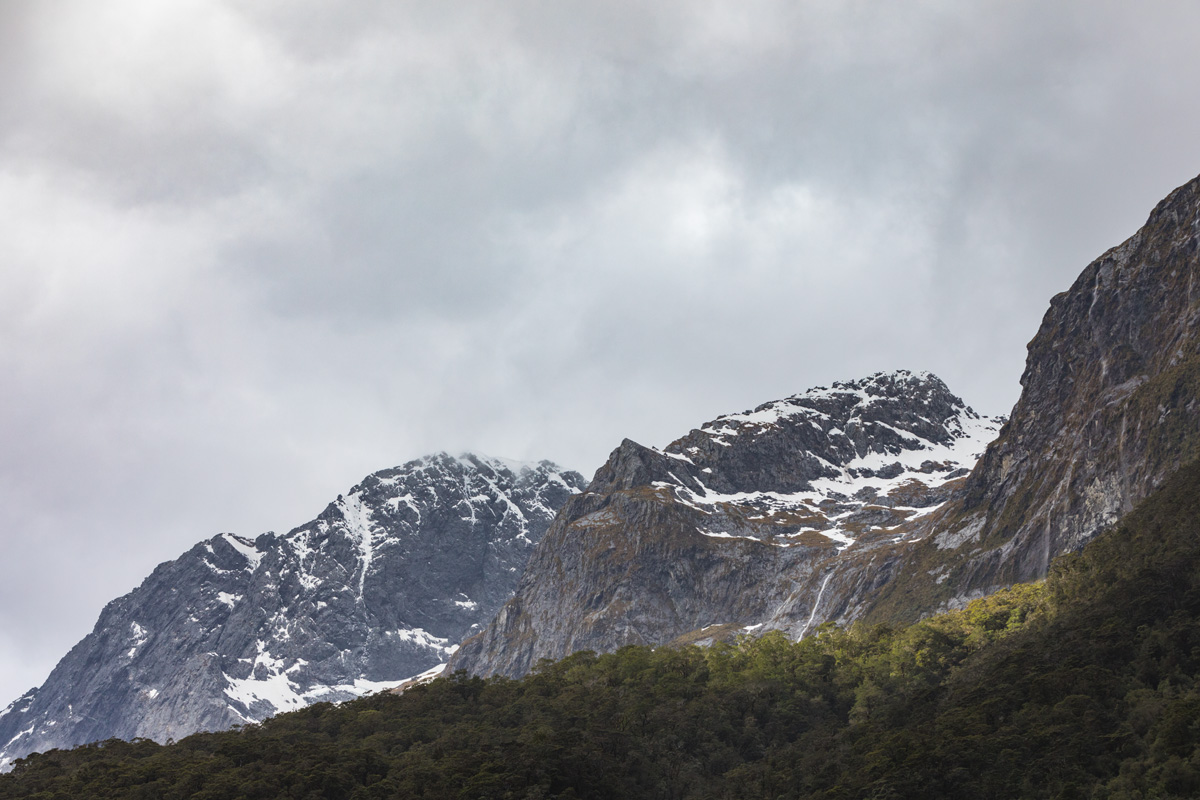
[252,250]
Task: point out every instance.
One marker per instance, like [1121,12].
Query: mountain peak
[736,523]
[852,429]
[381,586]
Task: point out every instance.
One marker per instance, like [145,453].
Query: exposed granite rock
[381,586]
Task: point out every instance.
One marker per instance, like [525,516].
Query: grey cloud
[256,250]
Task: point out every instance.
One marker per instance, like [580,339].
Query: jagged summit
[381,586]
[854,427]
[898,389]
[888,443]
[736,523]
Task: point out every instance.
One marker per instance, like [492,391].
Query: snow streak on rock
[868,456]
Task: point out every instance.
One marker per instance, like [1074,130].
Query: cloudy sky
[252,250]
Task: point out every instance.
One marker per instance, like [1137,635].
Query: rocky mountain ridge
[381,586]
[858,501]
[735,526]
[1108,411]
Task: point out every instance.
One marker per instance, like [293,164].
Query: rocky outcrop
[716,534]
[1108,410]
[738,525]
[379,587]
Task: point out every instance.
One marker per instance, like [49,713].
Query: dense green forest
[1083,686]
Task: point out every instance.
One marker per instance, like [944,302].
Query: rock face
[737,525]
[378,588]
[1108,410]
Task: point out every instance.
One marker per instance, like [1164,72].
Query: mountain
[823,508]
[861,501]
[737,525]
[1108,411]
[381,586]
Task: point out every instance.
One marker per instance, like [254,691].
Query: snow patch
[427,675]
[841,539]
[360,525]
[406,500]
[676,456]
[139,636]
[276,688]
[28,731]
[423,638]
[281,693]
[247,549]
[724,535]
[302,547]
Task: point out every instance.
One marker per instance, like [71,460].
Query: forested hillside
[1081,686]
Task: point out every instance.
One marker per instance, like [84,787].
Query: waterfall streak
[816,605]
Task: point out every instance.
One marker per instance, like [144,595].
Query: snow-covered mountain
[381,586]
[861,457]
[739,524]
